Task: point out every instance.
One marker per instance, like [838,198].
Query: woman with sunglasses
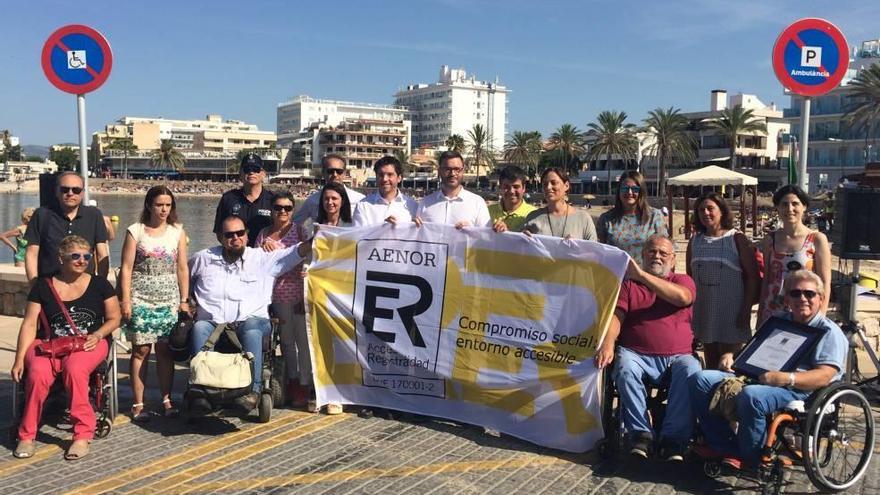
[632,220]
[804,296]
[558,218]
[287,299]
[334,210]
[70,303]
[154,288]
[721,261]
[792,247]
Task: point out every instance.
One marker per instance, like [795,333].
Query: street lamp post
[792,139]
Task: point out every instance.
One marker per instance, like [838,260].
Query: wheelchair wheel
[278,395]
[102,429]
[838,437]
[712,469]
[265,408]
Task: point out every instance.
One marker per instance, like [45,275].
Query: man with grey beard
[651,328]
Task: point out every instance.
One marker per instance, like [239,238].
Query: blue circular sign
[810,57]
[77,59]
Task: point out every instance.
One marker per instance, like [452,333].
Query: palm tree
[668,128]
[611,135]
[524,148]
[167,156]
[455,143]
[735,121]
[480,148]
[404,158]
[568,142]
[126,146]
[865,112]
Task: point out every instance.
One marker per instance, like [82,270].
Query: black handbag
[178,341]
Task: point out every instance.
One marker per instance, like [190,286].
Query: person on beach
[387,203]
[333,168]
[452,204]
[19,246]
[510,212]
[69,303]
[632,220]
[558,218]
[251,201]
[154,288]
[287,299]
[50,224]
[792,247]
[721,261]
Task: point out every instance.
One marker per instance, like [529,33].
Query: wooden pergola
[711,176]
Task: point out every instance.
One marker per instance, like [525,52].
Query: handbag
[723,401]
[60,346]
[209,368]
[178,341]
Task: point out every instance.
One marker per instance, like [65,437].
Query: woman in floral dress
[629,224]
[154,281]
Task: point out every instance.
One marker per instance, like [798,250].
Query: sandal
[170,410]
[139,414]
[78,449]
[25,449]
[334,408]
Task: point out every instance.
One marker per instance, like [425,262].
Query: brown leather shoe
[248,402]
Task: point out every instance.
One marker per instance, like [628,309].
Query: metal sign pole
[83,152]
[803,178]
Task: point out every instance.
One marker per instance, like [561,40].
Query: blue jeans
[250,333]
[632,370]
[753,406]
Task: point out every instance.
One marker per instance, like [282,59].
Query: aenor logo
[398,304]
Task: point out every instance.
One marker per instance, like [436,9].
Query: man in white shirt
[387,204]
[452,204]
[333,167]
[232,283]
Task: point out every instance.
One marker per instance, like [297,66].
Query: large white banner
[496,330]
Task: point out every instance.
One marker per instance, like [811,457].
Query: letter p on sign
[811,56]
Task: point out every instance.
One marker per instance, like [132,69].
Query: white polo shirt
[230,292]
[373,209]
[309,207]
[467,206]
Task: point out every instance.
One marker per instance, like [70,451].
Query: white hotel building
[453,105]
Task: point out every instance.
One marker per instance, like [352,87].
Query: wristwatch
[791,379]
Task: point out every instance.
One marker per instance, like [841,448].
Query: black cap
[251,160]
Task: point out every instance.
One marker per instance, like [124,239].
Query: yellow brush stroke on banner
[323,283]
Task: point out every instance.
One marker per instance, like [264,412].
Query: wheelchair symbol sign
[77,59]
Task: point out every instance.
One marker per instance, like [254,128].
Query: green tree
[405,162]
[671,141]
[168,157]
[14,154]
[524,148]
[480,149]
[864,113]
[126,146]
[567,141]
[735,121]
[65,158]
[455,143]
[611,135]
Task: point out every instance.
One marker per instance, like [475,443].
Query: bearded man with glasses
[232,283]
[50,224]
[333,168]
[251,201]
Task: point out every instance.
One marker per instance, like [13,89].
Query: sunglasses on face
[68,190]
[280,208]
[797,293]
[234,233]
[251,169]
[630,189]
[334,171]
[77,256]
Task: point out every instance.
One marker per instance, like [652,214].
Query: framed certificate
[779,345]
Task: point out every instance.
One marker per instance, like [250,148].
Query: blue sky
[564,61]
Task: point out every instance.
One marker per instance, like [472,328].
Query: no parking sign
[810,57]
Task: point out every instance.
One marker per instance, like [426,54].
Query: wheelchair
[831,434]
[203,401]
[103,392]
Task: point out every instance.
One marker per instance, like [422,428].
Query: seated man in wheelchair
[232,283]
[75,312]
[652,329]
[803,295]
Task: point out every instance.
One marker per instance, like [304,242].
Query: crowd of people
[264,254]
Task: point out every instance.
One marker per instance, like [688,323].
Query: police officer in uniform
[251,201]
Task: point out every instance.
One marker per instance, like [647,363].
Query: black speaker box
[854,235]
[48,190]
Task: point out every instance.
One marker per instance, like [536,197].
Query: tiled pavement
[307,453]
